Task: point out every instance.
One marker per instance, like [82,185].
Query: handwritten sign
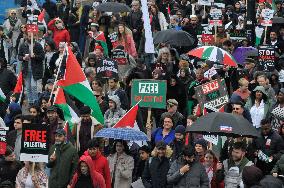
[266,57]
[107,68]
[3,143]
[151,92]
[212,94]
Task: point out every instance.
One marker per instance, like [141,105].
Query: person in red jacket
[60,33]
[100,163]
[86,175]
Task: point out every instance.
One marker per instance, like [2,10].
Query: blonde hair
[243,82]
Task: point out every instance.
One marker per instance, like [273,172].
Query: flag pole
[128,111]
[57,74]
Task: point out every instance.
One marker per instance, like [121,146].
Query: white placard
[211,138]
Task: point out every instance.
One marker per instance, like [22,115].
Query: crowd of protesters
[173,158]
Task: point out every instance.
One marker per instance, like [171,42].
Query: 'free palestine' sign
[152,93]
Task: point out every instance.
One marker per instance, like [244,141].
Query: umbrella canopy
[215,54]
[122,133]
[173,37]
[113,7]
[224,124]
[241,53]
[278,20]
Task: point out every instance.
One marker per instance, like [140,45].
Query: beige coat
[123,173]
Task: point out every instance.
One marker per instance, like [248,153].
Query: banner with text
[107,68]
[151,92]
[266,58]
[3,142]
[212,94]
[34,143]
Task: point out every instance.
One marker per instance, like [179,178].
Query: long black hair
[124,143]
[264,97]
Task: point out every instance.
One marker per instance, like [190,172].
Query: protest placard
[266,17]
[266,57]
[238,34]
[34,143]
[113,37]
[211,138]
[118,53]
[107,68]
[205,2]
[212,94]
[152,93]
[3,142]
[215,17]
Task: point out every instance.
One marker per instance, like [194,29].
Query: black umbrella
[173,37]
[113,7]
[278,20]
[224,124]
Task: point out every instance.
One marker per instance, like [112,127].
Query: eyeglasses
[57,22]
[13,13]
[236,108]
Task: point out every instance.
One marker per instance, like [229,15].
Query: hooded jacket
[97,179]
[100,164]
[112,116]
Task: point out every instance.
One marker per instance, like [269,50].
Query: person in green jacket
[63,161]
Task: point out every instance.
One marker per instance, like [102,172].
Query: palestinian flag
[128,119]
[215,54]
[19,88]
[2,96]
[78,86]
[19,85]
[69,114]
[102,41]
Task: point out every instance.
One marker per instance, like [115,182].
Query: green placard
[152,93]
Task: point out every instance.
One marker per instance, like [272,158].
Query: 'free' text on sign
[148,88]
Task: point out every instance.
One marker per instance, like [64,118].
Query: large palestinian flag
[76,84]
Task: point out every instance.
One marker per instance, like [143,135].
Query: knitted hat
[251,175]
[180,129]
[201,142]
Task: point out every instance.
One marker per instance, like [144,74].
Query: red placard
[32,28]
[207,38]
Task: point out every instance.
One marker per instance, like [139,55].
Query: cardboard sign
[3,142]
[117,54]
[107,68]
[238,34]
[34,143]
[205,2]
[113,37]
[151,92]
[266,57]
[266,17]
[215,17]
[32,28]
[212,94]
[207,38]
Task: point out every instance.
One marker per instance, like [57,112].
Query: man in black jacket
[268,147]
[32,67]
[135,23]
[7,83]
